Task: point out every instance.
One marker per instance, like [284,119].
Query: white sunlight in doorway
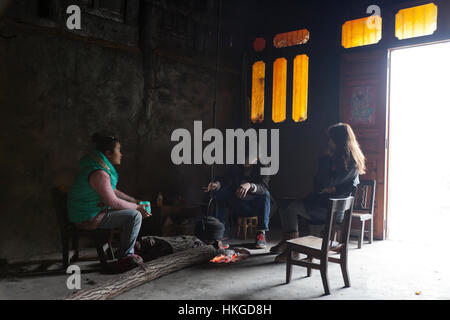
[419,144]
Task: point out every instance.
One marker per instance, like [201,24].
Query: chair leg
[75,248]
[324,275]
[371,231]
[361,235]
[255,225]
[344,268]
[289,266]
[309,270]
[110,251]
[101,254]
[339,236]
[245,228]
[65,252]
[239,227]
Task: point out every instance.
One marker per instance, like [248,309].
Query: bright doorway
[419,143]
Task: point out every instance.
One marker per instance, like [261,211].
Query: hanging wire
[214,120]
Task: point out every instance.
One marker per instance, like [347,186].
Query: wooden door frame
[369,68]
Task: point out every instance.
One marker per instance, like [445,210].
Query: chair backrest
[60,204]
[365,196]
[336,208]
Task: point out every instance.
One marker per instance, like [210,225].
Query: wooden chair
[246,223]
[364,208]
[319,248]
[70,232]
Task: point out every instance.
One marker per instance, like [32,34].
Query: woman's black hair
[339,135]
[348,152]
[104,143]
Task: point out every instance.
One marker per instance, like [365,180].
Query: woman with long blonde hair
[337,177]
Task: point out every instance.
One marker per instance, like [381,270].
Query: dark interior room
[283,146]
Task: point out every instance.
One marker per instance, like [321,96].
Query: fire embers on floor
[230,256]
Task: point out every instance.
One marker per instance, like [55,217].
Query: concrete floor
[384,270]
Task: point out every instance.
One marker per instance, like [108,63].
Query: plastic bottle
[159,200]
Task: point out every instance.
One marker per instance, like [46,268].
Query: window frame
[268,56]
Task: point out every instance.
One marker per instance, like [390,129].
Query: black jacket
[237,175]
[330,174]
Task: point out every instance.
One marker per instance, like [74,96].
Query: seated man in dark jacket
[246,191]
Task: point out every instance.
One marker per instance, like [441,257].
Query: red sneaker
[260,241]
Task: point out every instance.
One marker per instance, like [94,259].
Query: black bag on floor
[209,229]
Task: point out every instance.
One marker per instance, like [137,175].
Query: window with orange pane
[293,38]
[279,89]
[300,88]
[416,21]
[362,32]
[258,87]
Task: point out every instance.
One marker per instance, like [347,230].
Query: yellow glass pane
[258,86]
[279,90]
[416,21]
[292,38]
[300,93]
[362,32]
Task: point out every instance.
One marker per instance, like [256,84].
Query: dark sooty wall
[141,74]
[58,87]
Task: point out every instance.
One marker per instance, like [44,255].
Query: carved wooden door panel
[363,106]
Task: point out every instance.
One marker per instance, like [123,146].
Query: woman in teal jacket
[94,202]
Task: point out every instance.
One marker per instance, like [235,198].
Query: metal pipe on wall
[214,118]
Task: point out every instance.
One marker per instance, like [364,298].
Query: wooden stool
[245,223]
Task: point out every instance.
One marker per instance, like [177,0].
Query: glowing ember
[230,256]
